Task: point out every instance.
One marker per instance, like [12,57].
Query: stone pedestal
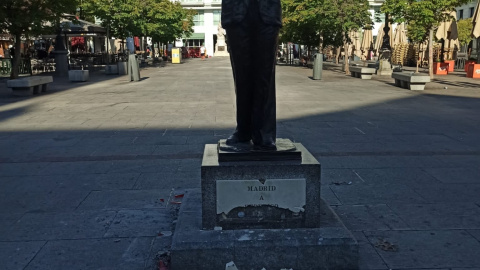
[260,214]
[221,48]
[384,68]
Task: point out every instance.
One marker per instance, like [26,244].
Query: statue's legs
[253,47]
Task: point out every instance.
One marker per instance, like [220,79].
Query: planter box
[473,71]
[78,75]
[111,69]
[467,63]
[451,65]
[122,68]
[440,68]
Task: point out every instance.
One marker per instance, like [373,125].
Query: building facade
[205,23]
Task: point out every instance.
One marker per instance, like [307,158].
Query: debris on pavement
[385,245]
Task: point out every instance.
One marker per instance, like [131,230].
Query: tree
[323,22]
[163,20]
[29,18]
[424,15]
[117,15]
[465,32]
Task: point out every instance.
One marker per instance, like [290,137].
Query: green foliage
[30,18]
[465,31]
[420,15]
[324,22]
[161,19]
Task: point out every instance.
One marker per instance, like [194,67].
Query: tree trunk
[430,54]
[345,59]
[418,58]
[16,58]
[337,56]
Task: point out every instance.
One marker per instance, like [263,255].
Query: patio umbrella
[367,43]
[355,44]
[449,33]
[400,37]
[476,22]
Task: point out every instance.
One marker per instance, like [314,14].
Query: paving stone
[449,192]
[76,167]
[126,199]
[439,216]
[475,233]
[411,176]
[428,249]
[339,176]
[138,223]
[375,194]
[19,169]
[59,226]
[369,217]
[456,175]
[111,253]
[369,258]
[187,179]
[39,194]
[144,166]
[17,255]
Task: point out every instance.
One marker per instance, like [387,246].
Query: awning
[195,36]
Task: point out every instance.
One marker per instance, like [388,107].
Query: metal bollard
[318,66]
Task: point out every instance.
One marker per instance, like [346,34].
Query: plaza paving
[89,171]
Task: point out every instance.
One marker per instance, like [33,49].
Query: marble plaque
[282,193]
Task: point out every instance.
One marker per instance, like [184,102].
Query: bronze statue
[252,28]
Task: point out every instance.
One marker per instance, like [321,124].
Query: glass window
[216,17]
[198,19]
[472,11]
[460,15]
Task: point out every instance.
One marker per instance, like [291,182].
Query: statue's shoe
[235,138]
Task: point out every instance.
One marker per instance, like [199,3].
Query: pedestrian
[202,52]
[252,31]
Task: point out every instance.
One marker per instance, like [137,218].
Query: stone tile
[106,181]
[111,253]
[64,151]
[339,176]
[475,233]
[456,175]
[368,256]
[144,166]
[328,195]
[439,193]
[369,217]
[17,255]
[410,176]
[161,140]
[439,216]
[76,167]
[138,223]
[428,249]
[39,194]
[360,194]
[20,169]
[167,180]
[123,150]
[7,221]
[126,199]
[188,149]
[60,226]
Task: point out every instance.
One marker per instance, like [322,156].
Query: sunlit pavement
[89,171]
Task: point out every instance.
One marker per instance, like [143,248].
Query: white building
[466,11]
[206,23]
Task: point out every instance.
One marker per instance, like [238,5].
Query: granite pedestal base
[260,194]
[330,246]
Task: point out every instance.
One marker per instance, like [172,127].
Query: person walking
[202,52]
